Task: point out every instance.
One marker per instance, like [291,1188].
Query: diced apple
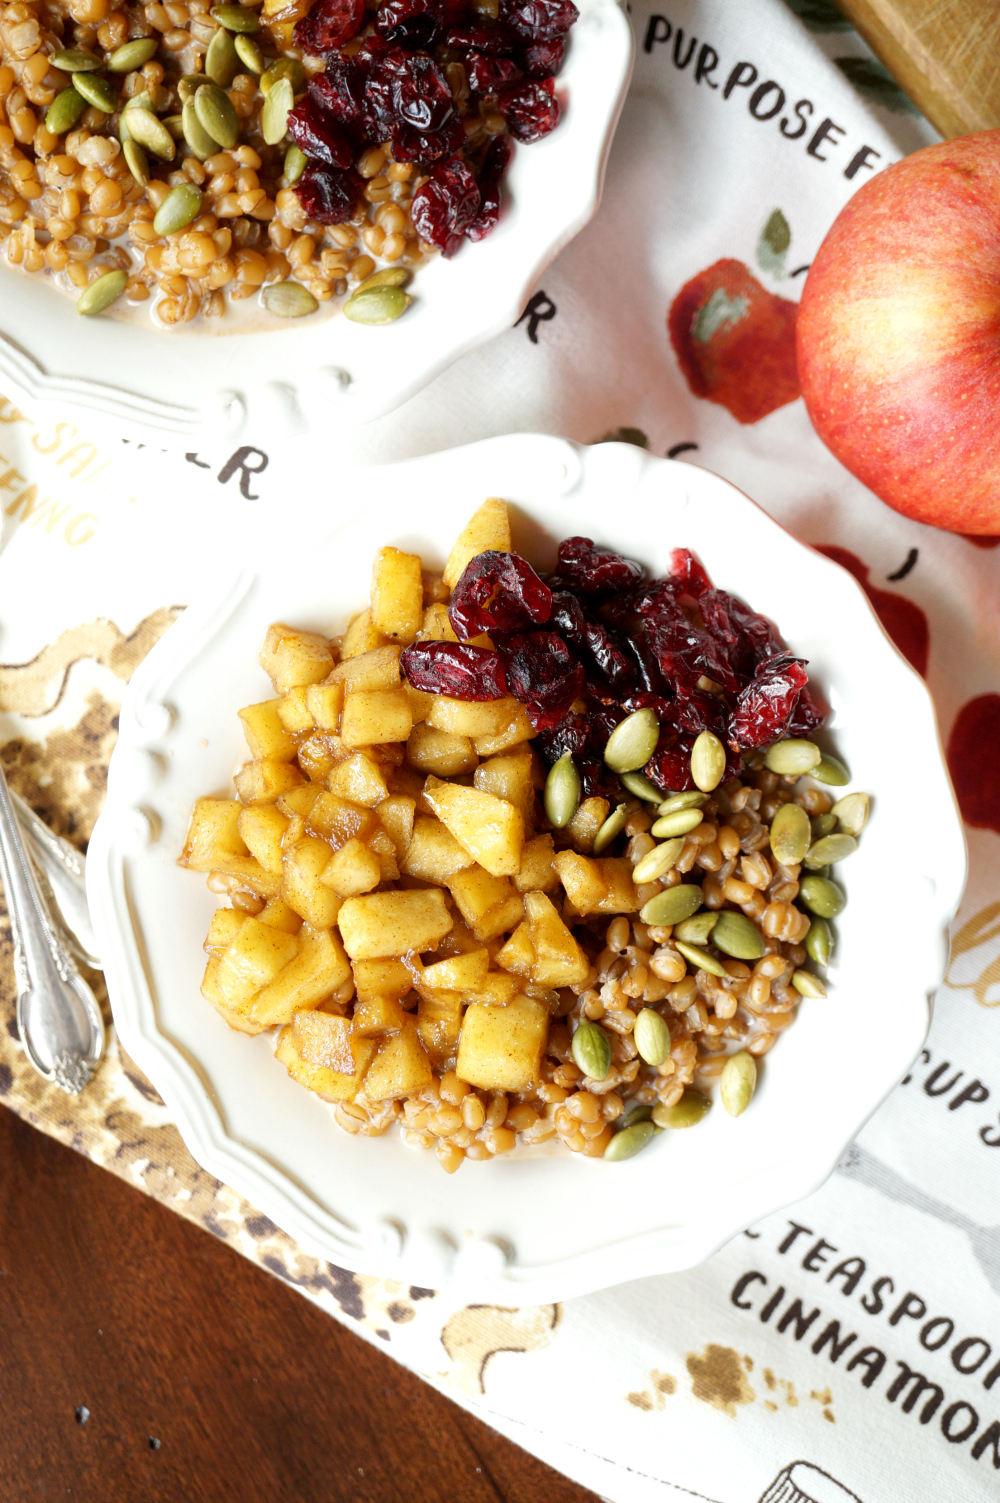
[471,717]
[318,754]
[298,802]
[487,827]
[373,716]
[264,782]
[400,1068]
[420,703]
[318,970]
[381,978]
[213,834]
[245,873]
[396,814]
[537,872]
[266,736]
[559,960]
[496,989]
[518,954]
[226,924]
[488,904]
[279,915]
[436,626]
[381,846]
[303,864]
[440,752]
[339,821]
[359,780]
[459,973]
[439,1023]
[397,594]
[332,1085]
[588,819]
[361,636]
[354,868]
[509,777]
[433,854]
[516,729]
[324,703]
[290,657]
[210,991]
[375,1015]
[254,958]
[383,924]
[293,710]
[489,527]
[262,826]
[621,896]
[583,880]
[377,669]
[501,1048]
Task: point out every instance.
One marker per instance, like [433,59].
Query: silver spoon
[61,872]
[58,1018]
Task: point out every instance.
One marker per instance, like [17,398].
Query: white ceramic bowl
[196,380]
[546,1227]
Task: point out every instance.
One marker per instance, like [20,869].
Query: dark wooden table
[142,1361]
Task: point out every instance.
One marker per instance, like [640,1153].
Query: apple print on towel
[973,762]
[904,621]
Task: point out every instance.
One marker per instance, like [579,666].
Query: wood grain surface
[944,53]
[206,1380]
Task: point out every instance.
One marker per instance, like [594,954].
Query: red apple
[899,335]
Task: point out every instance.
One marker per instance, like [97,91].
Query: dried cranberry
[530,110]
[748,638]
[590,571]
[384,63]
[765,707]
[543,59]
[315,133]
[661,708]
[329,24]
[670,767]
[340,91]
[543,674]
[411,146]
[685,653]
[489,74]
[498,592]
[421,97]
[807,716]
[688,574]
[538,20]
[444,208]
[411,23]
[495,164]
[454,668]
[697,712]
[327,194]
[572,734]
[492,41]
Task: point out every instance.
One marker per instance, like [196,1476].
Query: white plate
[197,380]
[543,1228]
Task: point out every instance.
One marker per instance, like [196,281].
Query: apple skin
[898,335]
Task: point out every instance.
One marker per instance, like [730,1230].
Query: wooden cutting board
[944,53]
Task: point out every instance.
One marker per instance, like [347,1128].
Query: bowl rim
[481,1266]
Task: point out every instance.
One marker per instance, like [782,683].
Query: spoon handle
[61,872]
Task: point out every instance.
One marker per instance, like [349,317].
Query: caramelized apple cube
[436,626]
[433,854]
[501,1048]
[263,826]
[354,868]
[244,874]
[459,973]
[583,880]
[298,802]
[620,895]
[277,913]
[383,924]
[537,872]
[375,1015]
[359,780]
[332,1085]
[487,528]
[210,991]
[266,736]
[588,819]
[518,954]
[371,717]
[471,717]
[487,827]
[397,594]
[290,657]
[382,847]
[440,752]
[509,777]
[376,669]
[439,1023]
[293,710]
[338,820]
[324,703]
[559,960]
[318,970]
[213,834]
[396,814]
[254,958]
[381,978]
[264,782]
[226,924]
[488,904]
[303,864]
[514,731]
[420,703]
[400,1068]
[496,989]
[361,636]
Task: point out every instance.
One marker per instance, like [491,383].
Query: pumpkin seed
[144,127]
[282,67]
[651,1036]
[131,55]
[612,826]
[822,897]
[828,850]
[188,86]
[677,823]
[632,742]
[289,300]
[687,1112]
[591,1050]
[175,125]
[695,931]
[831,770]
[249,54]
[102,293]
[690,800]
[277,107]
[96,91]
[392,276]
[808,985]
[296,162]
[822,824]
[790,834]
[737,936]
[235,17]
[627,1143]
[672,905]
[792,758]
[637,1113]
[222,61]
[738,1082]
[137,162]
[701,959]
[657,862]
[562,792]
[639,786]
[64,111]
[383,305]
[75,60]
[181,205]
[195,134]
[819,941]
[708,761]
[217,115]
[851,812]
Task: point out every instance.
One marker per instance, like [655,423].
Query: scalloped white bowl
[275,382]
[528,1228]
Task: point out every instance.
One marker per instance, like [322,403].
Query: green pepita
[181,205]
[249,54]
[637,1113]
[793,758]
[277,107]
[188,86]
[790,834]
[639,786]
[630,1141]
[222,62]
[102,293]
[651,1036]
[677,823]
[822,897]
[236,17]
[672,905]
[137,162]
[175,125]
[851,812]
[708,761]
[96,91]
[75,60]
[819,941]
[144,127]
[591,1050]
[612,826]
[808,985]
[831,770]
[382,305]
[131,55]
[64,111]
[282,67]
[822,824]
[217,114]
[195,134]
[738,1082]
[695,930]
[296,162]
[830,849]
[289,300]
[658,861]
[690,800]
[738,936]
[562,792]
[692,1108]
[701,959]
[392,276]
[632,742]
